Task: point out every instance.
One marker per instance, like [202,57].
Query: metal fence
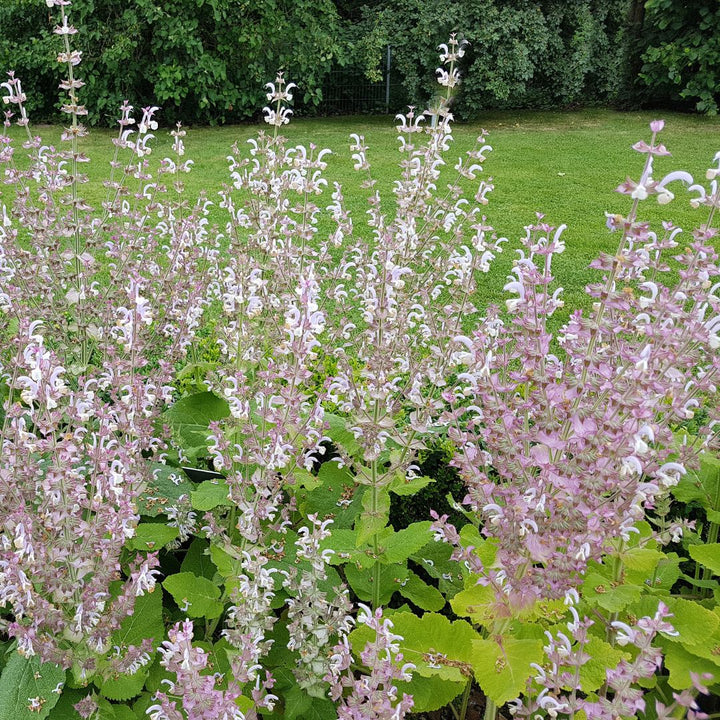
[347,90]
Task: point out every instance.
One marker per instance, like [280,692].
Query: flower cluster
[192,694]
[314,618]
[373,696]
[96,311]
[565,441]
[557,690]
[64,476]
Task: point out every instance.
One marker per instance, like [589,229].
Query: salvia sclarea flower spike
[316,617]
[373,696]
[97,310]
[555,688]
[562,454]
[15,96]
[191,695]
[413,276]
[269,291]
[449,55]
[279,94]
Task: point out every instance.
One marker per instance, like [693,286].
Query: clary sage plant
[206,538]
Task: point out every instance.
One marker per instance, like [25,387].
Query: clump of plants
[225,550]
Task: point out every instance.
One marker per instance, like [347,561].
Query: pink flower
[657,125]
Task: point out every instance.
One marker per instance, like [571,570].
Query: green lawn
[565,165]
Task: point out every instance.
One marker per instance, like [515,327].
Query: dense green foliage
[683,56]
[206,61]
[521,53]
[201,60]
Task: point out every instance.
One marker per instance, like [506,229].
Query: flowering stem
[376,544]
[76,215]
[490,709]
[465,700]
[711,539]
[618,570]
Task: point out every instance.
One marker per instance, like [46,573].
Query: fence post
[387,80]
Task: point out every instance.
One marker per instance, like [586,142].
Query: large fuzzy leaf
[27,688]
[190,418]
[502,670]
[196,596]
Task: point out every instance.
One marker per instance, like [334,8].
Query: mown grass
[565,165]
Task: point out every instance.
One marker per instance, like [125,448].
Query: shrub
[520,54]
[683,49]
[203,60]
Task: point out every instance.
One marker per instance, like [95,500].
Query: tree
[682,59]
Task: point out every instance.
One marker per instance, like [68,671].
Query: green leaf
[343,542]
[336,497]
[156,674]
[209,495]
[713,516]
[145,622]
[321,709]
[152,536]
[598,590]
[340,435]
[603,656]
[26,683]
[297,703]
[644,560]
[664,576]
[124,687]
[191,416]
[5,652]
[476,602]
[280,658]
[362,583]
[425,596]
[435,560]
[699,582]
[430,693]
[108,711]
[197,560]
[689,489]
[64,709]
[680,662]
[695,623]
[219,662]
[434,634]
[399,546]
[441,650]
[374,518]
[228,565]
[403,486]
[502,670]
[305,479]
[703,486]
[165,490]
[141,705]
[197,596]
[707,555]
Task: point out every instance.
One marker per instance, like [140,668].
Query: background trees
[207,60]
[201,60]
[682,59]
